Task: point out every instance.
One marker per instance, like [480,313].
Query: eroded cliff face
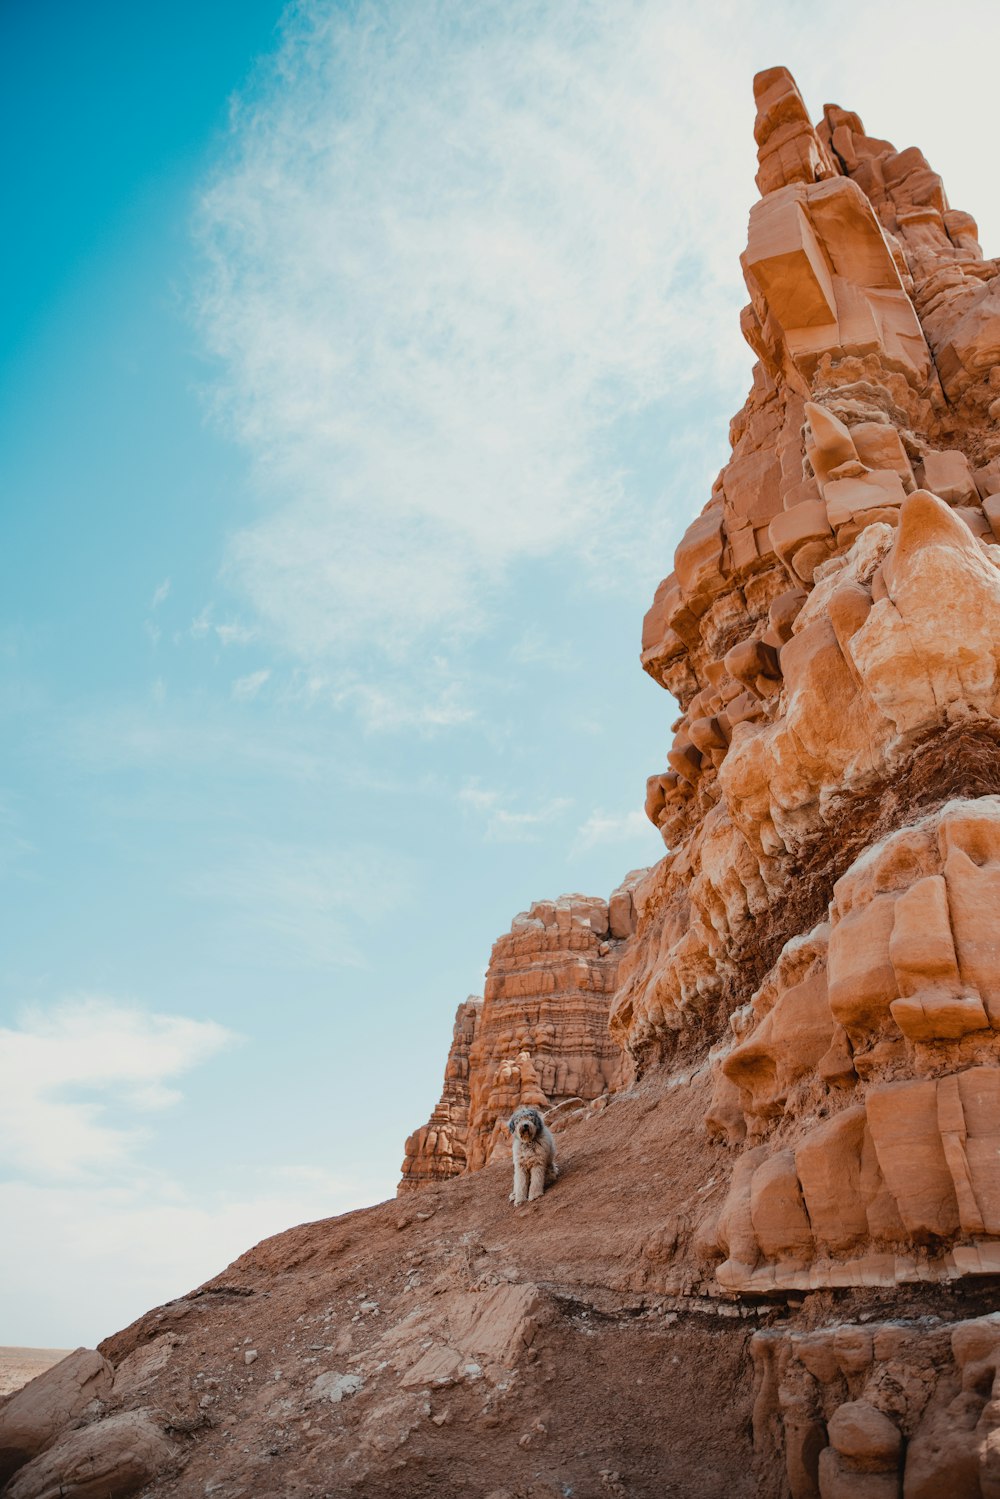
[437,1151]
[823,940]
[540,1035]
[830,626]
[770,1264]
[826,926]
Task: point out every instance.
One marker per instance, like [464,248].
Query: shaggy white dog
[534,1152]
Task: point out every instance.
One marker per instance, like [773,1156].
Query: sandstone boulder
[34,1416]
[108,1460]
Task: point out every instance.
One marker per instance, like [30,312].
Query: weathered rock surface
[830,626]
[832,631]
[108,1460]
[907,1407]
[865,1071]
[18,1366]
[35,1416]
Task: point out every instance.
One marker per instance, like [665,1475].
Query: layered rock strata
[540,1035]
[829,629]
[861,1087]
[827,920]
[436,1151]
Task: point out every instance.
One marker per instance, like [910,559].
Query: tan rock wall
[866,1072]
[830,628]
[544,1036]
[869,1412]
[826,924]
[436,1151]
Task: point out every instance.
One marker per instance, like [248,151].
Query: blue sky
[363,367]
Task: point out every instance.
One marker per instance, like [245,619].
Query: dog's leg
[520,1192]
[537,1181]
[551,1172]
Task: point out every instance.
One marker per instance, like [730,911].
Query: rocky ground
[448,1344]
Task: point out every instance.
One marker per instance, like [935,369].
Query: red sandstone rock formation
[540,1036]
[826,607]
[436,1151]
[37,1414]
[802,1065]
[827,920]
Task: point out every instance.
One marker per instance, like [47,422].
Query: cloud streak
[631,827]
[472,277]
[302,906]
[504,824]
[62,1245]
[63,1071]
[80,1084]
[245,689]
[446,260]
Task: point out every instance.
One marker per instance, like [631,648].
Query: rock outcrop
[110,1459]
[18,1366]
[540,1036]
[774,1057]
[865,1069]
[436,1151]
[820,624]
[868,1412]
[33,1418]
[832,632]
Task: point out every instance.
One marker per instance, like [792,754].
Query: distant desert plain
[18,1365]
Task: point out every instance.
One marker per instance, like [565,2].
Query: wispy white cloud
[245,689]
[15,849]
[202,623]
[228,632]
[303,906]
[386,708]
[506,826]
[448,254]
[81,1086]
[534,648]
[457,256]
[235,633]
[62,1244]
[62,1070]
[618,827]
[478,799]
[161,594]
[502,823]
[178,731]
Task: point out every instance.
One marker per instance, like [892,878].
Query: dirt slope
[498,1351]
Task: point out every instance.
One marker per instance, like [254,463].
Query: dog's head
[526,1124]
